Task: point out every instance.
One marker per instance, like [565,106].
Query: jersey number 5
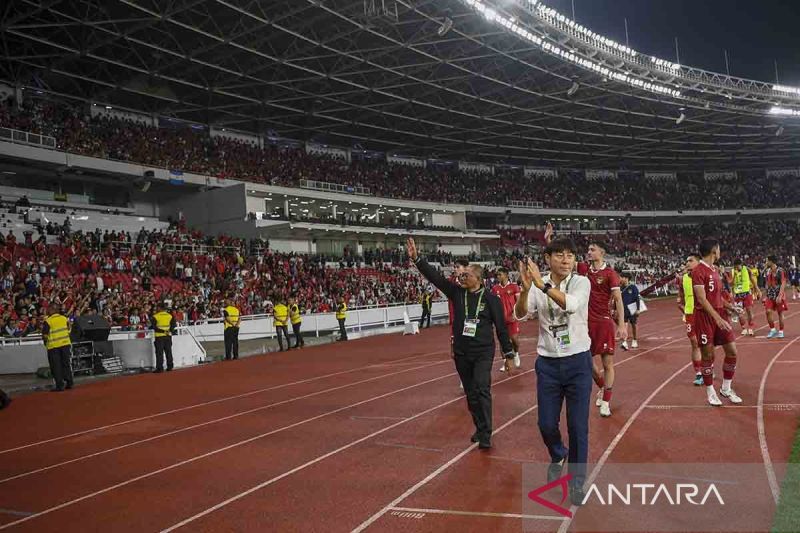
[711,285]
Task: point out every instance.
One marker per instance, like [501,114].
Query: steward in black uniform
[475,310]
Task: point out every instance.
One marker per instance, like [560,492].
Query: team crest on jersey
[599,280]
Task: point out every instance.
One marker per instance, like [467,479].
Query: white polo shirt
[575,316]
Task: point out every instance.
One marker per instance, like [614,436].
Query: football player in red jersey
[711,328]
[508,292]
[605,287]
[776,296]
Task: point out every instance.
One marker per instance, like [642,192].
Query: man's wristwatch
[546,287]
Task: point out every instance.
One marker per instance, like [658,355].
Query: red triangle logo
[563,481]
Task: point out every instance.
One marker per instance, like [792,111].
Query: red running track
[372,434]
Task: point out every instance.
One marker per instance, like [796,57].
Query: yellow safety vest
[58,336]
[294,311]
[688,294]
[281,314]
[232,320]
[741,281]
[163,321]
[341,311]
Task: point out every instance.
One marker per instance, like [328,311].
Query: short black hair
[462,262]
[706,246]
[625,275]
[504,270]
[737,262]
[772,259]
[561,245]
[696,255]
[600,244]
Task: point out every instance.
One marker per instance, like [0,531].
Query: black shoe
[158,370]
[169,369]
[577,495]
[475,437]
[484,442]
[57,389]
[69,385]
[555,469]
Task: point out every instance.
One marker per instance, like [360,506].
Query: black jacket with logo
[491,313]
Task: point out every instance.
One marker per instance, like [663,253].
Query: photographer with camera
[475,311]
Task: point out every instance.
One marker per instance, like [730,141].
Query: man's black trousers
[475,372]
[298,339]
[426,314]
[163,347]
[283,331]
[60,365]
[232,343]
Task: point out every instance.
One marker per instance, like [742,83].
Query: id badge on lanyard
[471,324]
[560,331]
[470,328]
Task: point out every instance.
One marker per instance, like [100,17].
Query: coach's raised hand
[411,249]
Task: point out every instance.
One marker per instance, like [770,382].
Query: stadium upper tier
[499,81]
[193,150]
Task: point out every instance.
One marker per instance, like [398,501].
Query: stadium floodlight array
[786,89]
[557,19]
[491,15]
[785,111]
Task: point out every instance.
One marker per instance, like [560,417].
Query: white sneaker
[503,367]
[605,409]
[713,399]
[751,332]
[624,345]
[634,343]
[517,361]
[599,399]
[729,394]
[461,385]
[745,332]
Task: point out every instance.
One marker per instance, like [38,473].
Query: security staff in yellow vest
[297,322]
[55,332]
[164,326]
[231,331]
[745,286]
[341,316]
[427,302]
[686,306]
[280,314]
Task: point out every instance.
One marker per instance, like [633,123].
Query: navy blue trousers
[559,379]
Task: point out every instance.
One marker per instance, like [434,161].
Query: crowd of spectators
[123,277]
[194,150]
[655,252]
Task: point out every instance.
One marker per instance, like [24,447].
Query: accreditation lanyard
[559,331]
[471,325]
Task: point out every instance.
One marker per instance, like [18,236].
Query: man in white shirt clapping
[564,362]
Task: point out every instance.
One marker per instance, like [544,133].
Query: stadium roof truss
[337,72]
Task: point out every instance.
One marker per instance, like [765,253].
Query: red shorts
[689,319]
[602,334]
[707,331]
[775,305]
[513,328]
[745,299]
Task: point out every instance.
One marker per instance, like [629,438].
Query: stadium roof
[386,75]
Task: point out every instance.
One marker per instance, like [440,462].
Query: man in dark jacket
[476,310]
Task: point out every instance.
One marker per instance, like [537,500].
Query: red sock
[607,394]
[708,373]
[698,365]
[752,324]
[600,381]
[729,367]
